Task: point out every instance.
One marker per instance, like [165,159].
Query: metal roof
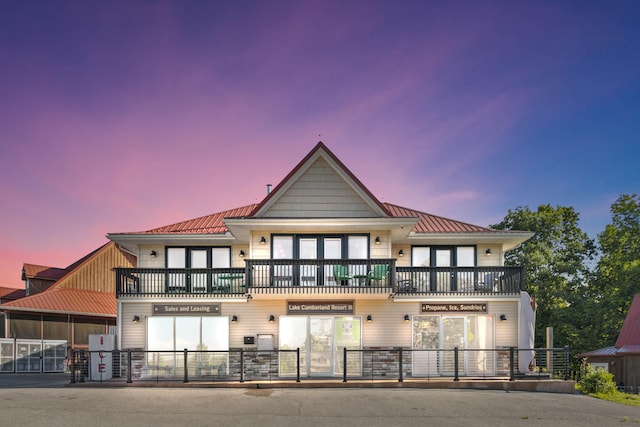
[67,301]
[429,223]
[630,331]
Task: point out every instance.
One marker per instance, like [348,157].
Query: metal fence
[548,363]
[286,365]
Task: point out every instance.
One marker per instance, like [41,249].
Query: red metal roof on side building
[67,300]
[630,332]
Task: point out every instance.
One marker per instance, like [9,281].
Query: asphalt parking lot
[34,400]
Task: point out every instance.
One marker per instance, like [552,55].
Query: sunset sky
[124,116]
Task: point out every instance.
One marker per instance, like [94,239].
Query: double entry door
[434,340]
[321,340]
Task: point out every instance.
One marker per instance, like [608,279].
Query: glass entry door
[435,337]
[321,340]
[321,346]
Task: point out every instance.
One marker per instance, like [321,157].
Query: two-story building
[320,264]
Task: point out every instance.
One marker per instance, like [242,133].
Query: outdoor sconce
[234,319]
[241,254]
[136,319]
[369,318]
[153,254]
[272,318]
[377,240]
[407,318]
[401,252]
[488,252]
[503,317]
[263,241]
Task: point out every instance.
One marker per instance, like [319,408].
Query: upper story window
[352,246]
[443,256]
[198,257]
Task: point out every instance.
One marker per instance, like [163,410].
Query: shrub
[596,380]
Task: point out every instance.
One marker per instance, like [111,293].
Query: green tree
[556,261]
[618,270]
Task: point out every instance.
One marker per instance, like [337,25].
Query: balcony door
[308,248]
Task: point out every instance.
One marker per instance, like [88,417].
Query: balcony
[325,276]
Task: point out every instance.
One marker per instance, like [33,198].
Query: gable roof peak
[320,149]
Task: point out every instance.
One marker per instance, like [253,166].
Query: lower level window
[207,338]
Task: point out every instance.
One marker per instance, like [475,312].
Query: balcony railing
[326,276]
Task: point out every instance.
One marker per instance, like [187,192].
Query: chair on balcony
[341,275]
[379,273]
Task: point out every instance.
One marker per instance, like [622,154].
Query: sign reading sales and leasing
[186,309]
[454,307]
[320,307]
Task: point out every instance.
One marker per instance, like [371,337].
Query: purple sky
[124,116]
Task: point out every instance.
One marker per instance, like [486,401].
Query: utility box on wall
[265,342]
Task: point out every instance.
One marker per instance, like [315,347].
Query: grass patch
[618,397]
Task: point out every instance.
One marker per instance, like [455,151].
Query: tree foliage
[618,269]
[556,262]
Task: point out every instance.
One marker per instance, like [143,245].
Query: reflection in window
[421,257]
[358,247]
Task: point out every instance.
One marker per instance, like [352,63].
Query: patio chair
[341,275]
[379,273]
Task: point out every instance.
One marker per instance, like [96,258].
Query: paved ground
[29,400]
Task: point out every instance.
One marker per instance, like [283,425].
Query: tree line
[583,287]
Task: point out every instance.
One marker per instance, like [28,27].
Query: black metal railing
[291,365]
[459,280]
[319,276]
[547,363]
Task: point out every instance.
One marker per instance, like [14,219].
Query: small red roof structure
[623,359]
[629,338]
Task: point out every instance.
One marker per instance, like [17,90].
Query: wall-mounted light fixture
[369,318]
[263,241]
[272,318]
[377,240]
[407,318]
[136,319]
[488,252]
[242,254]
[234,319]
[153,254]
[401,252]
[503,317]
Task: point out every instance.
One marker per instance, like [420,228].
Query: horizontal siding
[133,334]
[387,329]
[320,192]
[507,330]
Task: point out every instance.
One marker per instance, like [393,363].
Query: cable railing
[242,365]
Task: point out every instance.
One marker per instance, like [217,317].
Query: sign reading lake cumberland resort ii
[454,307]
[186,309]
[320,307]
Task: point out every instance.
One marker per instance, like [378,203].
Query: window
[179,258]
[358,247]
[421,256]
[443,256]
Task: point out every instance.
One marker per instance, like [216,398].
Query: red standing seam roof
[435,224]
[43,272]
[630,331]
[209,224]
[12,293]
[68,300]
[214,223]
